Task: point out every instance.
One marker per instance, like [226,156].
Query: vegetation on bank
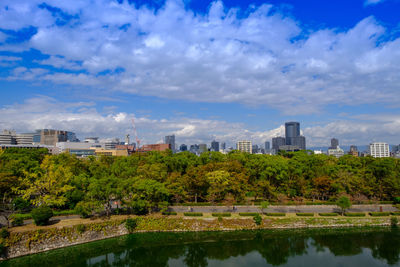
[142,183]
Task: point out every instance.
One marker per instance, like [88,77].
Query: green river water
[328,247]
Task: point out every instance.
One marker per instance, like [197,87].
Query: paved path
[286,209]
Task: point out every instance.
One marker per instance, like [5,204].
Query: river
[319,247]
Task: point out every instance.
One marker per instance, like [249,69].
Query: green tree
[343,203]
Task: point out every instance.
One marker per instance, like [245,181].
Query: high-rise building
[194,148]
[337,152]
[244,146]
[334,143]
[379,150]
[254,149]
[214,146]
[267,145]
[223,145]
[277,142]
[50,137]
[170,139]
[202,148]
[183,147]
[353,151]
[292,135]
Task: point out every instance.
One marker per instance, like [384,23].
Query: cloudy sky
[203,70]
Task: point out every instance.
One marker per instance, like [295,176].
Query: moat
[318,247]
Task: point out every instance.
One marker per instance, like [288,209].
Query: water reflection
[340,247]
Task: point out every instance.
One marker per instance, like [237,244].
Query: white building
[379,150]
[337,152]
[244,146]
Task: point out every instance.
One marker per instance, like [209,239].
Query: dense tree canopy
[156,178]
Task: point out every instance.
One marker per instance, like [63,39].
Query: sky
[202,70]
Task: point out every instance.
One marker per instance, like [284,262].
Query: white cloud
[84,119]
[372,2]
[215,57]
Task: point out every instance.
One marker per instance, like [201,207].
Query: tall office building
[267,145]
[334,143]
[215,146]
[292,135]
[183,147]
[50,137]
[223,145]
[202,148]
[379,150]
[244,146]
[170,139]
[277,142]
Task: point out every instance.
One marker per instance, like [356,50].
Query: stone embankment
[30,241]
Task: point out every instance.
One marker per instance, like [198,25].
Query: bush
[329,214]
[25,216]
[131,224]
[221,214]
[3,250]
[252,214]
[354,214]
[396,213]
[18,221]
[277,214]
[193,214]
[396,200]
[305,214]
[21,204]
[4,233]
[394,221]
[376,214]
[42,215]
[86,208]
[64,212]
[169,213]
[257,219]
[140,207]
[220,219]
[81,228]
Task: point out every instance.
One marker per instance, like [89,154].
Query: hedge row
[248,213]
[221,214]
[376,214]
[329,214]
[275,214]
[169,213]
[354,214]
[397,213]
[305,214]
[193,214]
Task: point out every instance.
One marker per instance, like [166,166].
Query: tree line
[157,179]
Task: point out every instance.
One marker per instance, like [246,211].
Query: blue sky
[224,70]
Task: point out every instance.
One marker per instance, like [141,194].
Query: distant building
[50,137]
[110,152]
[215,146]
[289,148]
[337,152]
[183,147]
[7,137]
[334,143]
[111,143]
[194,149]
[353,151]
[379,150]
[170,139]
[292,135]
[244,146]
[154,147]
[202,148]
[277,142]
[223,145]
[24,138]
[267,145]
[254,149]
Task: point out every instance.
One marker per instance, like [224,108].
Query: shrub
[25,216]
[21,204]
[396,200]
[257,219]
[376,214]
[131,224]
[4,233]
[221,214]
[81,228]
[354,214]
[396,213]
[42,215]
[86,208]
[252,214]
[329,214]
[394,221]
[140,207]
[18,221]
[305,214]
[275,214]
[193,214]
[169,213]
[3,249]
[64,212]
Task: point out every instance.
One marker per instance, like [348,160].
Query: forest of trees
[157,179]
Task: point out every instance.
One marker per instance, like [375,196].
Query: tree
[343,203]
[264,206]
[219,185]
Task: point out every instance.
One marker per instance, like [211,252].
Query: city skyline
[203,71]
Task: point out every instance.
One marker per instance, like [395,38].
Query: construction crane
[136,136]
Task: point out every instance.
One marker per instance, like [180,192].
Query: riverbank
[26,240]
